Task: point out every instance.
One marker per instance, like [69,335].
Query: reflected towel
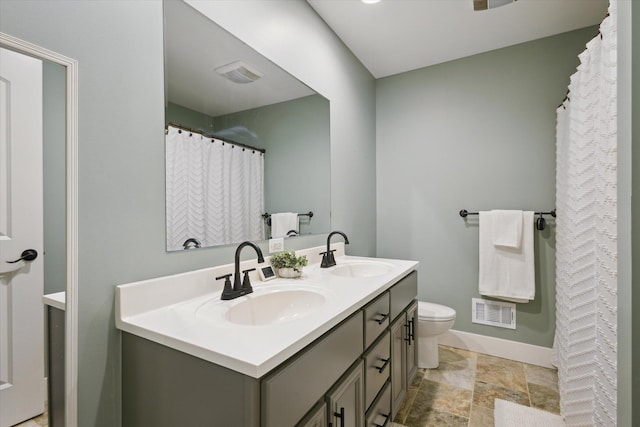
[505,272]
[282,223]
[507,228]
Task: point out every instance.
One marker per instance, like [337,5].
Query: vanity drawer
[377,368]
[403,293]
[380,412]
[303,382]
[376,319]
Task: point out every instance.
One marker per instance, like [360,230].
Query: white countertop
[165,310]
[57,300]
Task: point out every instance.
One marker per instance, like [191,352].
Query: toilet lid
[435,312]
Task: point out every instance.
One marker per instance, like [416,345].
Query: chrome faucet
[328,260]
[240,287]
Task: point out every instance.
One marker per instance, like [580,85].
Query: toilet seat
[435,312]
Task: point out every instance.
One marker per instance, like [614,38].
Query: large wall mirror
[247,144]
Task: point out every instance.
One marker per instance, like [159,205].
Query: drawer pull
[386,420]
[382,318]
[384,365]
[340,415]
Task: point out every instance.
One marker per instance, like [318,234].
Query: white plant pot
[289,273]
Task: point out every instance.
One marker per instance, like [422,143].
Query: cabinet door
[317,367]
[412,347]
[317,417]
[346,400]
[398,364]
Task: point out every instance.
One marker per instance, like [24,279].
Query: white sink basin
[265,306]
[359,269]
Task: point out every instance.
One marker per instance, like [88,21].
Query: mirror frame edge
[71,301]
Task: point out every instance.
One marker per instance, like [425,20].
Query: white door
[22,390]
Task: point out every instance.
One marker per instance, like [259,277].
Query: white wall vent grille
[494,313]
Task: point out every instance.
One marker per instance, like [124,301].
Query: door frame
[71,302]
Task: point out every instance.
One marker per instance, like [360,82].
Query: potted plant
[287,264]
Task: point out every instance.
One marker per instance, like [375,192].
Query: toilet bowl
[433,321]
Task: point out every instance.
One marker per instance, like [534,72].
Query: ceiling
[394,36]
[195,46]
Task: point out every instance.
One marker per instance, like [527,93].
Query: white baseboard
[521,352]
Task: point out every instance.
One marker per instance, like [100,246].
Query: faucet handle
[227,291]
[328,260]
[246,282]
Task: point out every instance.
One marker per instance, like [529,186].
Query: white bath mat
[509,414]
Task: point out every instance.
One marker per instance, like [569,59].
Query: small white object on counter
[184,311]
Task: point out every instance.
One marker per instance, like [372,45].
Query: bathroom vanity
[55,313]
[335,348]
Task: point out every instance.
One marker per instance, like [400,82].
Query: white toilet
[433,321]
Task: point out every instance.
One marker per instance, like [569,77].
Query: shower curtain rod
[206,135]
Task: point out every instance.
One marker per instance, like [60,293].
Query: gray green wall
[297,160]
[54,163]
[477,134]
[121,154]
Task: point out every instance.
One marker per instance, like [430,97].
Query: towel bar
[540,222]
[267,216]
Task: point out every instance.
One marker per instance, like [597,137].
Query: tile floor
[461,391]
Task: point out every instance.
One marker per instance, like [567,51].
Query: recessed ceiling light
[370,1]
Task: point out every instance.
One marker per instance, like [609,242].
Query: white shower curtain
[215,191]
[586,236]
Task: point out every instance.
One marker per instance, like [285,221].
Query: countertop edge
[56,300]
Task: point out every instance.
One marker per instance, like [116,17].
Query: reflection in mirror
[248,152]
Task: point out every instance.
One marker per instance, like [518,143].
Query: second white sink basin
[359,269]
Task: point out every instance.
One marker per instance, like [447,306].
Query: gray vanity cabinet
[380,412]
[345,401]
[55,362]
[404,355]
[377,366]
[289,392]
[412,345]
[316,418]
[354,375]
[376,319]
[398,364]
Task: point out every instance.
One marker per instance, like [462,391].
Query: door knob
[26,255]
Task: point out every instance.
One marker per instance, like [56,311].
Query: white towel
[505,272]
[282,223]
[507,228]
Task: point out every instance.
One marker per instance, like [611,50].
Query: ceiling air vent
[489,4]
[239,72]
